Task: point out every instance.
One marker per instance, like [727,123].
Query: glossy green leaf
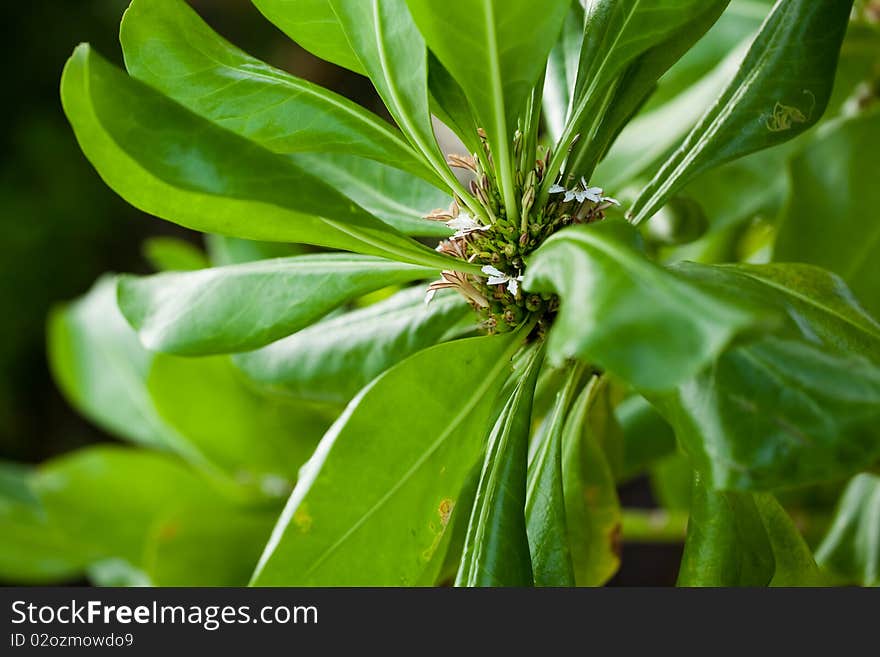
[591,505]
[167,161]
[816,303]
[496,51]
[778,413]
[389,496]
[74,491]
[545,496]
[851,549]
[623,312]
[314,25]
[172,254]
[646,37]
[830,219]
[397,198]
[647,437]
[241,307]
[562,68]
[333,359]
[651,136]
[179,552]
[169,47]
[223,250]
[393,53]
[782,89]
[741,539]
[496,548]
[253,436]
[101,367]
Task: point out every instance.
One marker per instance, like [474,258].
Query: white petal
[489,270]
[556,189]
[580,196]
[513,286]
[429,296]
[612,201]
[464,222]
[569,196]
[594,194]
[498,280]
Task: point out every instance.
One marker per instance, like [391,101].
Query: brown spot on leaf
[617,540]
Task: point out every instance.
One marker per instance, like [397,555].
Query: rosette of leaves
[459,408]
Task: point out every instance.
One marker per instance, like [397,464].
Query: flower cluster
[486,234]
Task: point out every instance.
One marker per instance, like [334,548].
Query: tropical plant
[579,330]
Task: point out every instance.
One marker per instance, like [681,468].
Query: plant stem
[654,526]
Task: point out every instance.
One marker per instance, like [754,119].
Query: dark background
[61,227]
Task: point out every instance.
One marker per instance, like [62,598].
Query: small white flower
[497,277]
[582,192]
[464,225]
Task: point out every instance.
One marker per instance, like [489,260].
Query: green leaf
[101,367]
[651,136]
[210,180]
[741,539]
[177,556]
[169,47]
[253,436]
[851,549]
[241,307]
[647,437]
[591,505]
[623,312]
[782,89]
[646,37]
[314,25]
[394,196]
[545,496]
[143,486]
[389,496]
[388,44]
[830,219]
[496,549]
[562,68]
[333,359]
[224,250]
[816,303]
[778,413]
[172,254]
[496,51]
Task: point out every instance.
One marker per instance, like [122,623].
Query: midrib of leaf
[473,400]
[498,110]
[691,153]
[811,301]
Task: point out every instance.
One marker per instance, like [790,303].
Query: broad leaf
[496,548]
[255,437]
[314,25]
[591,505]
[851,549]
[778,413]
[647,437]
[101,367]
[168,46]
[545,496]
[373,512]
[831,217]
[144,487]
[176,554]
[393,54]
[242,307]
[741,539]
[623,312]
[171,163]
[816,303]
[782,89]
[496,51]
[333,359]
[645,36]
